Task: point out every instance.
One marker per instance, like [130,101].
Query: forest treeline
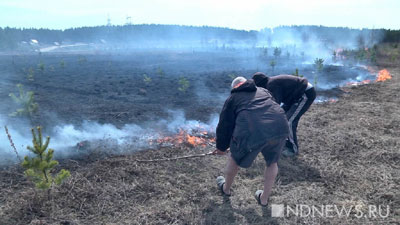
[12,38]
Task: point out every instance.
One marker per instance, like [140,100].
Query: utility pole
[128,20]
[108,20]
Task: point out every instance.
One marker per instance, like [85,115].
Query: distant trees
[11,38]
[361,41]
[277,52]
[391,36]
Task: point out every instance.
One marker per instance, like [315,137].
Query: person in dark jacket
[250,122]
[295,94]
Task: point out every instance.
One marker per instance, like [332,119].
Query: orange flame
[183,138]
[383,75]
[358,83]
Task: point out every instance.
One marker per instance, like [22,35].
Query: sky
[236,14]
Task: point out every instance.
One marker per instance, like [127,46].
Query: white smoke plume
[65,138]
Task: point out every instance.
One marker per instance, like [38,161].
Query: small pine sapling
[265,52]
[272,64]
[160,72]
[41,66]
[183,84]
[31,74]
[319,66]
[82,60]
[62,64]
[334,56]
[302,54]
[146,79]
[39,167]
[277,52]
[296,73]
[26,101]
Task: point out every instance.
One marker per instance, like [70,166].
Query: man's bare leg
[231,170]
[269,180]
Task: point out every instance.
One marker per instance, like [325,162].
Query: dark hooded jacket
[249,119]
[286,89]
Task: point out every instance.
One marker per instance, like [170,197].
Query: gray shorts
[271,152]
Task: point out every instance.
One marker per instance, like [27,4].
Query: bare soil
[349,155]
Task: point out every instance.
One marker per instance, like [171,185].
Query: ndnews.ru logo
[330,211]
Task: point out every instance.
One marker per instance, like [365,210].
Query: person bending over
[295,94]
[250,122]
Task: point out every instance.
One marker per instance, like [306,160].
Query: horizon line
[197,26]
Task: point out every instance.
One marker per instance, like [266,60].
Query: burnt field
[349,147]
[135,100]
[139,87]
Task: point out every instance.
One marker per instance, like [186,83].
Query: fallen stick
[176,158]
[12,143]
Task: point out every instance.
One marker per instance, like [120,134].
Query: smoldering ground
[98,91]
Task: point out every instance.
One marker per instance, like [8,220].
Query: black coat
[249,119]
[286,89]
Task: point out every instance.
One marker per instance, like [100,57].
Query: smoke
[190,52]
[316,41]
[67,139]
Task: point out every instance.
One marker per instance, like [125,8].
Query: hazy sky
[238,14]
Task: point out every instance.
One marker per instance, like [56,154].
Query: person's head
[260,79]
[237,82]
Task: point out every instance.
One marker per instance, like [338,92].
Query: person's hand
[218,152]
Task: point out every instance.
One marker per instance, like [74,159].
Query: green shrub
[39,167]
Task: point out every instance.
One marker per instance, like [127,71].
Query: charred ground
[349,155]
[132,88]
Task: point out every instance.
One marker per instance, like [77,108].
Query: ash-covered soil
[140,87]
[349,156]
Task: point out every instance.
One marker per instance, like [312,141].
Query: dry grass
[349,155]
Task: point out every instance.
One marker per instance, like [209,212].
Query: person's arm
[226,125]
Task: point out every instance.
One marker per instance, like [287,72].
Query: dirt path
[349,156]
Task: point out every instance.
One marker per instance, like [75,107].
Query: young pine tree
[39,167]
[319,66]
[184,84]
[26,102]
[272,64]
